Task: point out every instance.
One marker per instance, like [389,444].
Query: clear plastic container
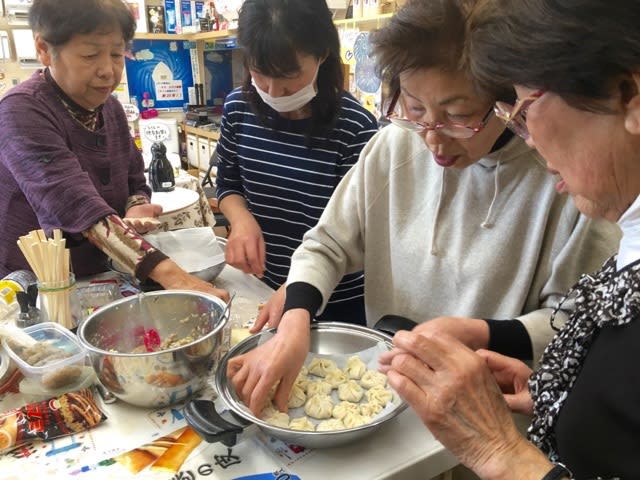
[59,302]
[62,356]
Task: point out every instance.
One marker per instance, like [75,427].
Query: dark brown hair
[59,20]
[427,34]
[581,50]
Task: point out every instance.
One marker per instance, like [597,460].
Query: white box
[212,148]
[139,10]
[203,153]
[192,150]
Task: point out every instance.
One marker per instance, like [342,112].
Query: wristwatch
[557,472]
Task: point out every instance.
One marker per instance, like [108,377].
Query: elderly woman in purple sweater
[67,159]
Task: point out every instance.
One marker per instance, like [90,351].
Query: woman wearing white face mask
[288,136]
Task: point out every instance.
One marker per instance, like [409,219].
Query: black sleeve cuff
[148,263]
[509,337]
[303,295]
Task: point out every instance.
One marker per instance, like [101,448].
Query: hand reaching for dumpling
[276,361]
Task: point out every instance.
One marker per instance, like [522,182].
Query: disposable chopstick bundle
[49,260]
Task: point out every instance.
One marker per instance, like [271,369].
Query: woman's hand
[245,247]
[276,361]
[143,218]
[455,394]
[168,274]
[271,313]
[512,377]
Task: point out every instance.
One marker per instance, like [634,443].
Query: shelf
[201,132]
[162,36]
[366,22]
[213,35]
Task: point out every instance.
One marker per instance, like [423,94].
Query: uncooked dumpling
[342,408]
[321,366]
[297,397]
[369,409]
[355,367]
[319,406]
[336,378]
[302,423]
[329,425]
[371,378]
[318,387]
[350,391]
[379,395]
[278,419]
[352,420]
[302,380]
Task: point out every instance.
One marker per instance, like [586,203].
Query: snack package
[69,413]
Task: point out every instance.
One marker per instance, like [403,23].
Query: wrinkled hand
[472,332]
[271,313]
[168,274]
[143,218]
[455,394]
[245,247]
[279,359]
[512,377]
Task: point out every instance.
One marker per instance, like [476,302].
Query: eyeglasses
[515,116]
[454,130]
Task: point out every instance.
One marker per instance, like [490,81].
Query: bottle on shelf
[161,177]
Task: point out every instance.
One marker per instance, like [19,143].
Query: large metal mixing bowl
[327,338]
[123,340]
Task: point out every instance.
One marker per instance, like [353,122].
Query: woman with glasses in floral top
[452,217]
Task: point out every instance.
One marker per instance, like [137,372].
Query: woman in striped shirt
[288,136]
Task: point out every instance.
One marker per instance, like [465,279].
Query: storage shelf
[201,132]
[364,22]
[213,35]
[162,36]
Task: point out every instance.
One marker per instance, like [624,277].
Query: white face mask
[289,103]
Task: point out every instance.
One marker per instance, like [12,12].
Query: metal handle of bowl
[202,416]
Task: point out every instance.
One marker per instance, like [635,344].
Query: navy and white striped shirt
[287,184]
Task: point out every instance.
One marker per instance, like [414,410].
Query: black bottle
[161,176]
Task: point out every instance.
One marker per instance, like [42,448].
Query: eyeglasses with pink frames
[515,116]
[454,130]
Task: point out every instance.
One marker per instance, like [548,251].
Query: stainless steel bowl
[208,274]
[328,338]
[119,335]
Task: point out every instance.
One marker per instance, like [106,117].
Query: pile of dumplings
[361,394]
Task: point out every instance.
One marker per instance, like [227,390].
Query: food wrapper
[66,414]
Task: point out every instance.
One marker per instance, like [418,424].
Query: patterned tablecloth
[198,214]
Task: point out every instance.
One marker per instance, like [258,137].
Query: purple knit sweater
[54,173]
